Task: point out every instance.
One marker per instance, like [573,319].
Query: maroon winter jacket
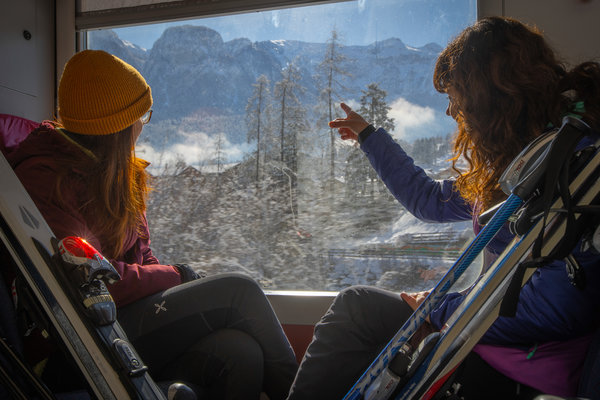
[34,163]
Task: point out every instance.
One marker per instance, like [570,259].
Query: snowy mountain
[193,72]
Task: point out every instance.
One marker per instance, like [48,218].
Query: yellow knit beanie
[100,94]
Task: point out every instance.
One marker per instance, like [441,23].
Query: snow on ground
[408,224]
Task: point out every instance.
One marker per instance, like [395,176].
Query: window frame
[177,10]
[188,10]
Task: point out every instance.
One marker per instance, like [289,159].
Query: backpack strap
[555,181]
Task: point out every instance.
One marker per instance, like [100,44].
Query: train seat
[13,130]
[589,386]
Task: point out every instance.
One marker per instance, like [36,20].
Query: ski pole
[373,375]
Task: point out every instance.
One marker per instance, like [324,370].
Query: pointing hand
[351,126]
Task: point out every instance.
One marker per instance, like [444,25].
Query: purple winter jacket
[550,308]
[34,163]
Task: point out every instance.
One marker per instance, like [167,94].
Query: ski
[481,306]
[103,355]
[381,379]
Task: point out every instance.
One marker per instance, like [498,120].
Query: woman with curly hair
[505,88]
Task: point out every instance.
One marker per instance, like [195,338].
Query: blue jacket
[550,308]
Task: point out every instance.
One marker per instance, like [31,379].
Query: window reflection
[247,175]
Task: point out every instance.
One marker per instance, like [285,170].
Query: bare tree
[291,115]
[219,156]
[330,72]
[256,111]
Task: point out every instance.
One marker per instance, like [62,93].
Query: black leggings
[359,323]
[357,326]
[218,332]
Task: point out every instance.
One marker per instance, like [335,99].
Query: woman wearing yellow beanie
[219,333]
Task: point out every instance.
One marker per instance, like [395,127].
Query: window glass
[247,175]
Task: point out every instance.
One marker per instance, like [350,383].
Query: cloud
[411,119]
[198,149]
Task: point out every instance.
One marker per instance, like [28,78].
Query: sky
[361,22]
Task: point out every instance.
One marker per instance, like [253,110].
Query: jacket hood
[44,142]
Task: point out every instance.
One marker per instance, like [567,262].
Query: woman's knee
[242,280]
[225,287]
[236,282]
[368,308]
[353,299]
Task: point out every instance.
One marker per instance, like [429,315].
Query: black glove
[187,273]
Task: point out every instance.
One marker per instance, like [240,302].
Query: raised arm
[427,199]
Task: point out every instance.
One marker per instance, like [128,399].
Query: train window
[247,175]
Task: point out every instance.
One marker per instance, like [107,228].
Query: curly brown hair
[507,86]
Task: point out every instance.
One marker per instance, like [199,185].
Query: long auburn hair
[509,87]
[117,188]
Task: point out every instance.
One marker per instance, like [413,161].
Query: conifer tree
[374,108]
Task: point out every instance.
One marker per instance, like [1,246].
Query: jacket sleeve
[143,245]
[141,280]
[427,199]
[141,272]
[141,275]
[147,256]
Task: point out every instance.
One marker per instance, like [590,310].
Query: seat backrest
[13,130]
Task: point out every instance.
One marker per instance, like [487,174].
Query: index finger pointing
[338,122]
[346,108]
